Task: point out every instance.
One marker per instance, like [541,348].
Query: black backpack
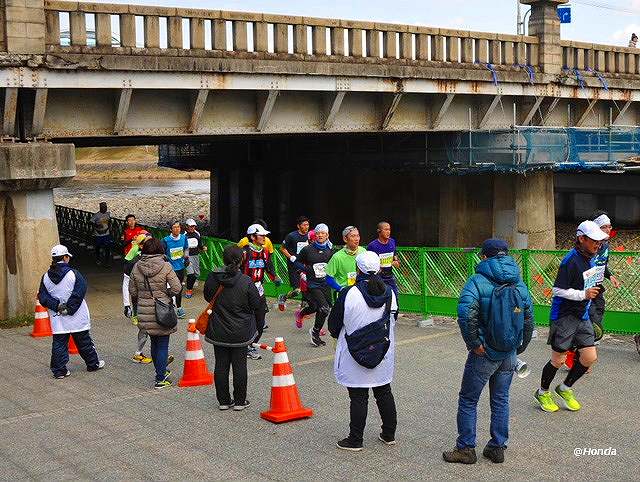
[369,345]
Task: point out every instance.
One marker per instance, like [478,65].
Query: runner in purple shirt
[385,248]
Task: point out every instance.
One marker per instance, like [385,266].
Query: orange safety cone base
[280,417]
[73,349]
[39,333]
[195,382]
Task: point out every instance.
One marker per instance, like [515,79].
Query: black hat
[494,247]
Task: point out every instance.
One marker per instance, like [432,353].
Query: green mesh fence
[429,279]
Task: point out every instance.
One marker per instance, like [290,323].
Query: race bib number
[176,253]
[593,276]
[192,242]
[301,245]
[260,287]
[351,278]
[386,259]
[320,270]
[256,263]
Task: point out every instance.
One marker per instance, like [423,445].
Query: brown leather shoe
[461,456]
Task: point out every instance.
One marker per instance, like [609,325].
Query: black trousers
[359,405]
[319,300]
[180,275]
[261,314]
[60,351]
[227,357]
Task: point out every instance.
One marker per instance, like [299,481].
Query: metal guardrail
[429,279]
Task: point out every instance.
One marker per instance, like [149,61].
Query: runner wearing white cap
[575,287]
[194,240]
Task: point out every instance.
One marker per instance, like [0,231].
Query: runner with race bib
[385,248]
[313,259]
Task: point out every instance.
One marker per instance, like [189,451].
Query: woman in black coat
[232,326]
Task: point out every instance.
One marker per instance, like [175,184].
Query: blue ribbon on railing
[530,72]
[602,80]
[494,74]
[579,78]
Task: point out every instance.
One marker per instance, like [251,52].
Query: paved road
[113,425]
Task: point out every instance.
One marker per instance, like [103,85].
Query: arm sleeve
[569,294]
[78,293]
[210,287]
[331,281]
[468,314]
[46,299]
[270,269]
[335,322]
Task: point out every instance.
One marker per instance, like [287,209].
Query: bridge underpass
[253,74]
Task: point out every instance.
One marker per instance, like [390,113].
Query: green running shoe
[546,401]
[569,400]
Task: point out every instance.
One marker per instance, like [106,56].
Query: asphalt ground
[112,424]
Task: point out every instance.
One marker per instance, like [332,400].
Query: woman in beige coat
[159,274]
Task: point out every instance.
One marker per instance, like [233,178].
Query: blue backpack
[505,325]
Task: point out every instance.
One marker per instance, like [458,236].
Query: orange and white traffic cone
[195,371]
[285,400]
[41,322]
[73,349]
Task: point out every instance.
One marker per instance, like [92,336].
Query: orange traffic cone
[569,360]
[285,400]
[73,349]
[41,322]
[195,371]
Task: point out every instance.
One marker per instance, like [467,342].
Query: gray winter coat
[159,273]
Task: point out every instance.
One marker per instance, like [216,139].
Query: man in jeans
[485,363]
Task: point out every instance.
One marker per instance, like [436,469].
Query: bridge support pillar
[517,208]
[545,24]
[28,228]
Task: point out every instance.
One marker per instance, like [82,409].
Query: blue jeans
[159,354]
[60,351]
[477,372]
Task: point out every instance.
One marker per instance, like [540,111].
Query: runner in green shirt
[341,270]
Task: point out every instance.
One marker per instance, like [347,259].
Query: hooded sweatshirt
[158,274]
[62,284]
[232,321]
[475,303]
[354,309]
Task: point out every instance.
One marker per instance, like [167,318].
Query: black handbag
[369,345]
[166,315]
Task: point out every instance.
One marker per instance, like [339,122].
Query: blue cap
[494,247]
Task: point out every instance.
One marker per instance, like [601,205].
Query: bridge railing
[429,279]
[135,29]
[600,58]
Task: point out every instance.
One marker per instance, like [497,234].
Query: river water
[154,202]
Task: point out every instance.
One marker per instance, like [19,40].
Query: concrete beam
[391,110]
[39,110]
[586,112]
[621,113]
[338,97]
[265,108]
[198,109]
[532,112]
[10,109]
[443,110]
[489,111]
[124,100]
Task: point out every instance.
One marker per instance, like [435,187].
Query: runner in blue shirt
[385,248]
[176,249]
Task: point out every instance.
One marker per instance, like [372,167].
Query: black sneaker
[387,440]
[241,406]
[460,456]
[495,454]
[348,444]
[228,406]
[636,339]
[63,375]
[315,338]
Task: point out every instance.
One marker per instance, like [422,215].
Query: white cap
[368,262]
[256,229]
[602,220]
[321,228]
[591,230]
[190,222]
[60,250]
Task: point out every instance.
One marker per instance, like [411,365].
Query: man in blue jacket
[492,344]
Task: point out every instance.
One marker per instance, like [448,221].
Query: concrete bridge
[100,74]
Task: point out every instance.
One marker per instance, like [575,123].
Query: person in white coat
[364,316]
[62,291]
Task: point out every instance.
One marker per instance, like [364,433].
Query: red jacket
[129,234]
